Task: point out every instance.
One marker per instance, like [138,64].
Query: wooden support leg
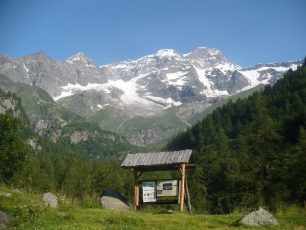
[136,190]
[182,195]
[187,195]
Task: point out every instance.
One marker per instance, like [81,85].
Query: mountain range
[146,100]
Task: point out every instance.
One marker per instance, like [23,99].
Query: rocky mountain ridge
[115,95]
[158,81]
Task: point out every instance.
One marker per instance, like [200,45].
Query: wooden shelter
[160,161]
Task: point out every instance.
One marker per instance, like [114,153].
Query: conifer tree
[13,149]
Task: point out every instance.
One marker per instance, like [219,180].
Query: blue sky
[246,31]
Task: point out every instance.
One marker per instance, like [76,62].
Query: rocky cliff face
[49,74]
[52,121]
[9,103]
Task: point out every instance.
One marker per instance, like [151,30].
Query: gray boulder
[3,220]
[113,203]
[17,191]
[6,194]
[258,217]
[112,199]
[50,200]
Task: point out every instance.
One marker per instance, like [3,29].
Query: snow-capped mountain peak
[80,57]
[207,56]
[203,73]
[77,57]
[157,81]
[145,87]
[167,53]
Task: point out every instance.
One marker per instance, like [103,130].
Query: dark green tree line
[251,152]
[56,167]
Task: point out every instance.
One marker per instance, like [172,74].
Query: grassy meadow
[26,211]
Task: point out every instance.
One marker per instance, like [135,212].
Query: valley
[245,146]
[153,115]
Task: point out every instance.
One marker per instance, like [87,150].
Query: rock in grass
[17,191]
[3,220]
[6,194]
[50,200]
[258,217]
[112,199]
[113,203]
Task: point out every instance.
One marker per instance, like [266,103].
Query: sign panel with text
[148,191]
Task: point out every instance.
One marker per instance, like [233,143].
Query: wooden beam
[179,193]
[182,195]
[170,167]
[136,189]
[190,165]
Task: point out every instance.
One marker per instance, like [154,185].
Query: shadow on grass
[124,220]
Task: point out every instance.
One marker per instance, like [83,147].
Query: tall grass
[26,211]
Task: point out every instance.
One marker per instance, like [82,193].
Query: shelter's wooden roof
[158,160]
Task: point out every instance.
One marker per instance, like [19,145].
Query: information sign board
[148,191]
[167,188]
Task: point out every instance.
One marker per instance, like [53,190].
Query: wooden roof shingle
[157,159]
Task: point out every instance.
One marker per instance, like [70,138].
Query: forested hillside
[35,163]
[13,131]
[251,152]
[56,124]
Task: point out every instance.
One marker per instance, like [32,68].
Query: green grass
[26,211]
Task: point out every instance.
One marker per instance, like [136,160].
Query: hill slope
[59,125]
[251,152]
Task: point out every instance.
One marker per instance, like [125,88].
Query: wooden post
[188,196]
[179,191]
[182,195]
[136,190]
